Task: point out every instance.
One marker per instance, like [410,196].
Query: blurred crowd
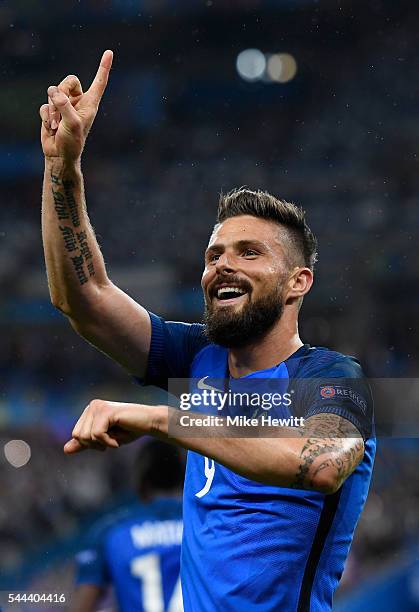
[49,498]
[177,126]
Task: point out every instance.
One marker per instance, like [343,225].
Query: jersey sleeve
[91,567]
[338,388]
[172,350]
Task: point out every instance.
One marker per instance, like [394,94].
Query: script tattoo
[71,202]
[55,180]
[74,242]
[328,448]
[84,247]
[79,269]
[60,205]
[69,240]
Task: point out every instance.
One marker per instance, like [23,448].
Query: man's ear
[299,283]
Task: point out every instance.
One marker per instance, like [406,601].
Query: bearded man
[268,519]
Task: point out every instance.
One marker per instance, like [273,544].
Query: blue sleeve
[339,388]
[173,347]
[91,567]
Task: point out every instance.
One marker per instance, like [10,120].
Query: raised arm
[318,456]
[78,283]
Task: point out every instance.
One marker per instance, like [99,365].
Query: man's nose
[225,263]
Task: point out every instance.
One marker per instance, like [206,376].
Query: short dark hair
[262,204]
[159,467]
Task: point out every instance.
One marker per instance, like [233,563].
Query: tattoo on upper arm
[75,243]
[332,444]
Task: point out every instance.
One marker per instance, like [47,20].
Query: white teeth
[230,290]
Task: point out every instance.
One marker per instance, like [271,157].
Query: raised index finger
[100,81]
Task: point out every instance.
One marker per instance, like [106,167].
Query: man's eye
[249,252]
[213,257]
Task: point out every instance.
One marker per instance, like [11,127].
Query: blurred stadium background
[316,102]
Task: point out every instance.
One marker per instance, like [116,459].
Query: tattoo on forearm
[79,269]
[66,208]
[60,205]
[71,202]
[327,448]
[70,243]
[84,246]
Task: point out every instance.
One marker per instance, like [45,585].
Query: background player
[258,267]
[137,550]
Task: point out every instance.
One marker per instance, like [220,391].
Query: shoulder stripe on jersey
[330,506]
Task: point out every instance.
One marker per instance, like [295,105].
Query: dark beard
[227,328]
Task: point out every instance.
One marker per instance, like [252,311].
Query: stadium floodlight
[251,64]
[281,67]
[17,452]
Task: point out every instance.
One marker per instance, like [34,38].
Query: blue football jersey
[137,551]
[254,547]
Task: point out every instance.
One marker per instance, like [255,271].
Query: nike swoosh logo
[201,384]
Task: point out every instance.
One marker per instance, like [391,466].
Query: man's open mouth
[230,295]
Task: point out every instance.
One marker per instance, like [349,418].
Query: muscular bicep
[329,451]
[118,326]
